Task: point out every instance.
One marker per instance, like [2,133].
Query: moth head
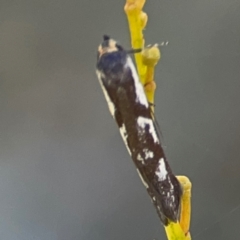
[108,45]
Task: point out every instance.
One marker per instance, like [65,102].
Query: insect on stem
[129,107]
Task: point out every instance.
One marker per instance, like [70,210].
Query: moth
[129,107]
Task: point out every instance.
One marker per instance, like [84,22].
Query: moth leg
[185,214]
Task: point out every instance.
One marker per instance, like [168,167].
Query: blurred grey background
[64,171]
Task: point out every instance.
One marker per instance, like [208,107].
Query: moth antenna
[164,44]
[153,45]
[137,50]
